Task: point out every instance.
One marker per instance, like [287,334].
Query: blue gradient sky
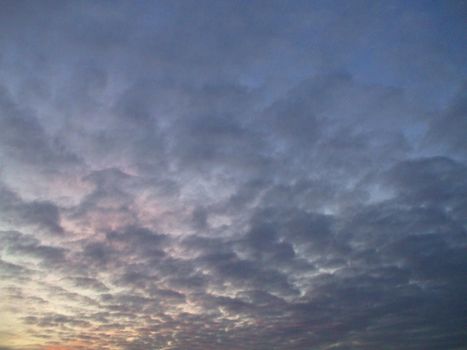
[258,175]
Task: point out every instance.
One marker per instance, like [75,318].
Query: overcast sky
[233,175]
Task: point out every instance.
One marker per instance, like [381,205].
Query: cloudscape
[233,175]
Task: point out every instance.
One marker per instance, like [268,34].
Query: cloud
[16,243]
[39,213]
[24,139]
[199,174]
[446,127]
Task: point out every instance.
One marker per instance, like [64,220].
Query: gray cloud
[222,175]
[448,125]
[25,140]
[42,214]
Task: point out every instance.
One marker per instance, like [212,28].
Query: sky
[225,175]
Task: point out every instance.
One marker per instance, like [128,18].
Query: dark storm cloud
[233,175]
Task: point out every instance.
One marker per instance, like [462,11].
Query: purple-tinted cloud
[232,175]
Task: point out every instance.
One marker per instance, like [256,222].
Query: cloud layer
[232,175]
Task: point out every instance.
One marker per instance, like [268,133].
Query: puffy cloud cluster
[232,175]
